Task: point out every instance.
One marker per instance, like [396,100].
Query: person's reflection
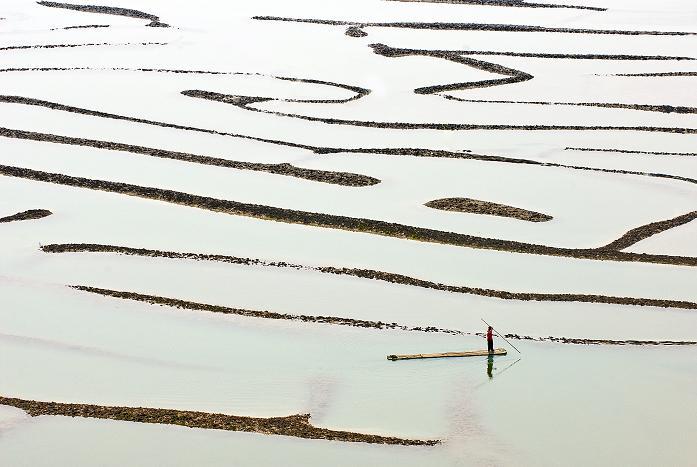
[490,366]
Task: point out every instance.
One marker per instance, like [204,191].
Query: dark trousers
[490,345]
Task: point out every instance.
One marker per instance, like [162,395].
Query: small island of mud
[475,206]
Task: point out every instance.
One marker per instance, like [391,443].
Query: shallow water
[574,405]
[556,404]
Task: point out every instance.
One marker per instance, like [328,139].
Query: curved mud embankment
[339,321]
[108,10]
[473,27]
[245,102]
[506,3]
[331,221]
[358,92]
[370,274]
[512,75]
[645,231]
[476,206]
[629,151]
[297,426]
[27,215]
[336,178]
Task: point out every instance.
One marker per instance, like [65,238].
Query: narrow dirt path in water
[371,274]
[332,221]
[297,426]
[341,321]
[336,178]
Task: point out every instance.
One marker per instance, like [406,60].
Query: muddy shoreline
[371,274]
[297,426]
[476,206]
[27,215]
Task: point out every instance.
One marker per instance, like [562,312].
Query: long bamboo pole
[497,333]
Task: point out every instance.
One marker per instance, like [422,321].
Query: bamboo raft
[470,353]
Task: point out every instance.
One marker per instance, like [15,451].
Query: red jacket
[489,335]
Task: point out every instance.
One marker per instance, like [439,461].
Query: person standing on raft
[490,339]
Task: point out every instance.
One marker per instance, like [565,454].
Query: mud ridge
[27,215]
[645,231]
[358,91]
[331,221]
[188,305]
[70,46]
[297,426]
[379,325]
[512,75]
[108,10]
[506,3]
[658,75]
[416,152]
[566,56]
[607,105]
[84,26]
[373,275]
[629,151]
[476,206]
[245,102]
[473,27]
[96,113]
[573,340]
[423,152]
[336,178]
